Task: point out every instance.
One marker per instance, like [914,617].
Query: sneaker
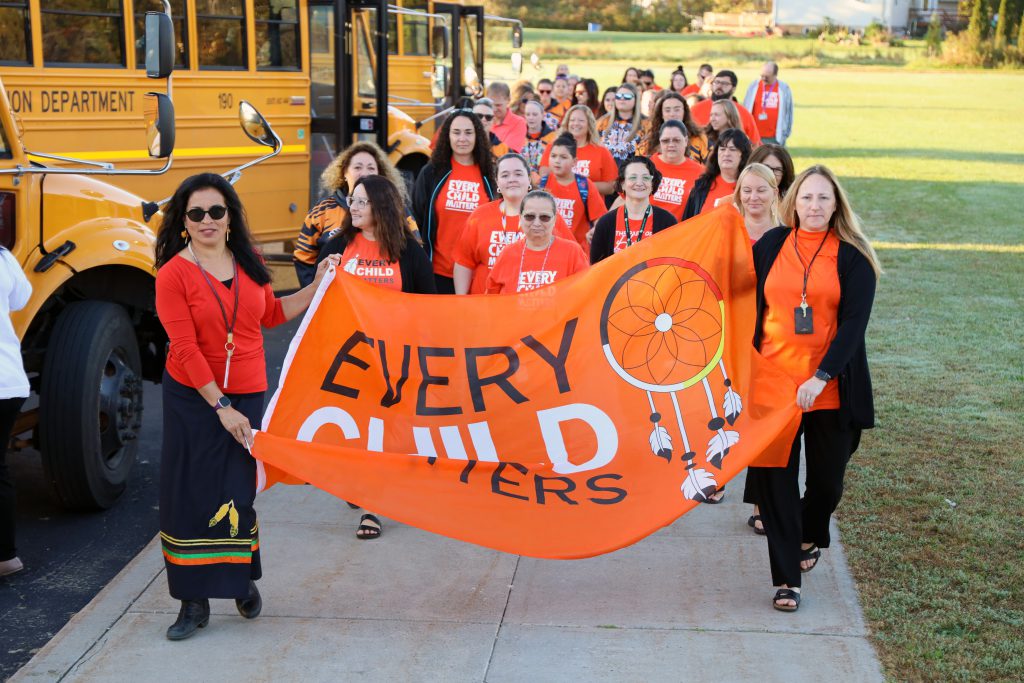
[11,566]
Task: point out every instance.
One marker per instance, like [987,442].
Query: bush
[967,49]
[933,38]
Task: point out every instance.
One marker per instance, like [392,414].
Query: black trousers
[9,409]
[790,520]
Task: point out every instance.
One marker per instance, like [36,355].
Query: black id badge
[803,320]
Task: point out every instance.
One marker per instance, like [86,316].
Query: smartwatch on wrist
[822,375]
[222,402]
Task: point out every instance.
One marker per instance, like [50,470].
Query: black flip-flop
[786,594]
[711,501]
[368,532]
[752,523]
[812,553]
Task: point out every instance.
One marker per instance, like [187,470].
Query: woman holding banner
[458,178]
[541,258]
[213,295]
[636,218]
[815,288]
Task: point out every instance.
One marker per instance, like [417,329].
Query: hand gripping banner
[564,422]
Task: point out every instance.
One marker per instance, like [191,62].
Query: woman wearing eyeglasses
[325,218]
[636,219]
[458,178]
[213,296]
[718,182]
[777,158]
[541,257]
[672,107]
[678,172]
[620,131]
[484,110]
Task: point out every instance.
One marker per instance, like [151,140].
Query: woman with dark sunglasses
[541,257]
[213,296]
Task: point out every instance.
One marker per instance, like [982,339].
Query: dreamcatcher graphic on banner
[663,331]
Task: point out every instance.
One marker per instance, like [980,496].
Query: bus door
[468,55]
[348,82]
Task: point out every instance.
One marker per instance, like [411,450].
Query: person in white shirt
[15,291]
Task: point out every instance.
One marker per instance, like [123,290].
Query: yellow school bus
[84,158]
[74,77]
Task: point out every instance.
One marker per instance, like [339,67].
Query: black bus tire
[90,404]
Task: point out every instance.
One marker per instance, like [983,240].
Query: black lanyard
[643,224]
[807,268]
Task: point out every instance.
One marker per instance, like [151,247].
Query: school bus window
[415,30]
[5,147]
[15,36]
[221,34]
[82,32]
[392,34]
[180,31]
[277,34]
[366,86]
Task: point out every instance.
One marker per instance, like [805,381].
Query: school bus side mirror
[159,45]
[255,126]
[159,124]
[439,40]
[517,62]
[517,37]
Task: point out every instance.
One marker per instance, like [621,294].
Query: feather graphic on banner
[719,445]
[698,485]
[732,404]
[661,443]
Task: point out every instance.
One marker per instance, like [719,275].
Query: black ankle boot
[194,614]
[251,607]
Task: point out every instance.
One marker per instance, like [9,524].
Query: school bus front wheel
[90,404]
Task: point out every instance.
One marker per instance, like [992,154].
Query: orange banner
[564,422]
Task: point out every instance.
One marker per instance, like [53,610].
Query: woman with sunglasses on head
[324,219]
[620,132]
[592,159]
[815,290]
[636,218]
[672,107]
[777,158]
[541,257]
[719,178]
[586,93]
[213,296]
[458,178]
[494,226]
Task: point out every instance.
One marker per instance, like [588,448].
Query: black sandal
[752,523]
[366,532]
[786,594]
[812,553]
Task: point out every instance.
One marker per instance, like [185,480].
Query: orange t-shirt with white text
[592,160]
[462,193]
[486,236]
[799,355]
[363,258]
[539,268]
[571,209]
[676,182]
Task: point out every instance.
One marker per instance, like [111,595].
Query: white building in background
[795,15]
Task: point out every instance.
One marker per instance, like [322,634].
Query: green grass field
[932,517]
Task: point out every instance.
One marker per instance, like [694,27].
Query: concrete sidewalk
[690,602]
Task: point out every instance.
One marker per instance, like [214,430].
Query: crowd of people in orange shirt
[526,186]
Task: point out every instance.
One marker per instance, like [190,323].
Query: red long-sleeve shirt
[189,313]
